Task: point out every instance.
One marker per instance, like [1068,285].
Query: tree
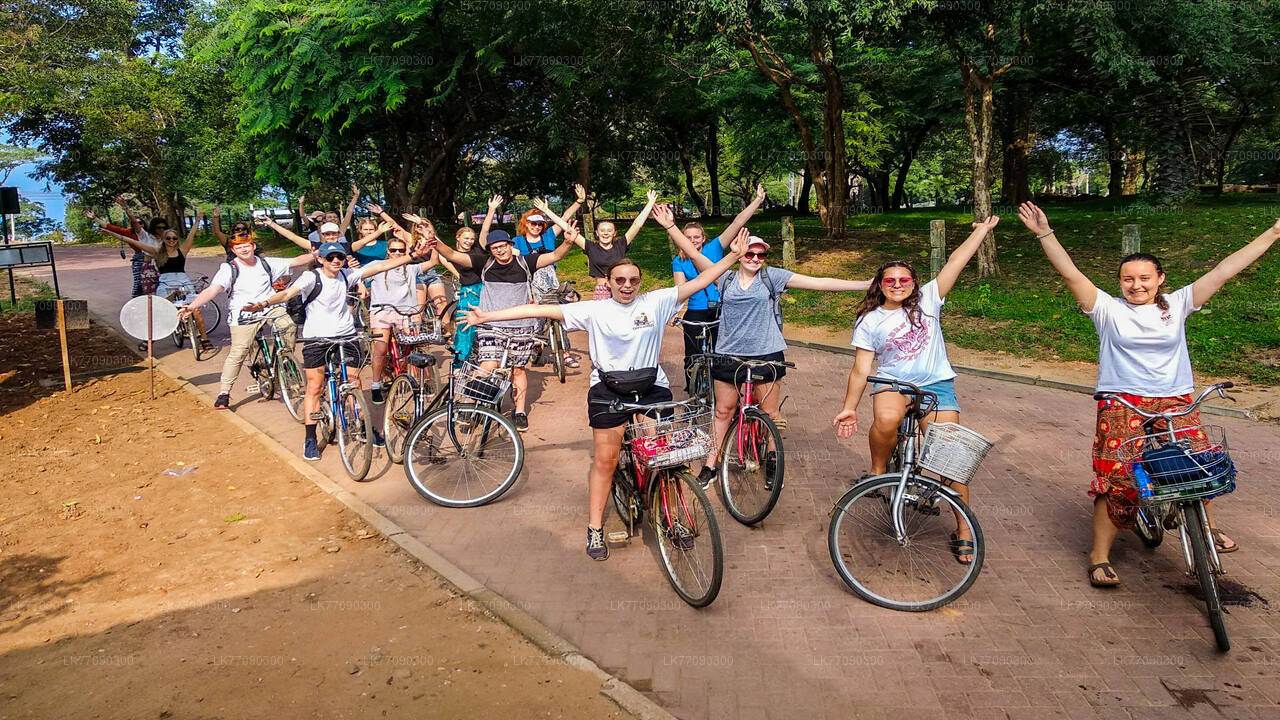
[12,158]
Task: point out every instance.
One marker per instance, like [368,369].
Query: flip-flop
[962,547]
[570,361]
[1220,546]
[1109,576]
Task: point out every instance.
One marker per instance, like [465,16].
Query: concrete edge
[1239,413]
[616,689]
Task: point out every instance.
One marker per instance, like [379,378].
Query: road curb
[616,689]
[1030,380]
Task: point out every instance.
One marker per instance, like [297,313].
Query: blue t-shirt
[547,245]
[374,251]
[711,250]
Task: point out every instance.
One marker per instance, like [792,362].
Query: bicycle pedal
[617,538]
[252,389]
[317,416]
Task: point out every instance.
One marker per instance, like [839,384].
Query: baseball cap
[327,249]
[536,218]
[755,240]
[330,228]
[496,236]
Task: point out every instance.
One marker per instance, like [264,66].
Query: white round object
[164,317]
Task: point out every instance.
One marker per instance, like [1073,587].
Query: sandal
[962,547]
[1109,577]
[570,361]
[1219,545]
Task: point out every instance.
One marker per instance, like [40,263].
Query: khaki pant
[242,343]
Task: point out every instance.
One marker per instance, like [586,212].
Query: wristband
[1041,237]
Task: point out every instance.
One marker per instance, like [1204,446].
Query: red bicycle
[751,459]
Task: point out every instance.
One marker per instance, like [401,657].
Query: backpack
[294,307]
[775,297]
[297,307]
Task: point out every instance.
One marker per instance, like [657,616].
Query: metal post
[10,229]
[151,359]
[937,246]
[1130,240]
[788,243]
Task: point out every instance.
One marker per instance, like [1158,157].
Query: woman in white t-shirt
[898,329]
[1142,353]
[625,333]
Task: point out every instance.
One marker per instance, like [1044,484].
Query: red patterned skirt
[1116,424]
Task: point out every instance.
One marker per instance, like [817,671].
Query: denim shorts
[944,389]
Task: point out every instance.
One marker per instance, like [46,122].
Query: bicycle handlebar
[405,313]
[269,313]
[919,394]
[618,406]
[697,323]
[1219,388]
[753,362]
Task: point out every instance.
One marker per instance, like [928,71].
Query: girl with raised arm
[607,248]
[1142,354]
[898,328]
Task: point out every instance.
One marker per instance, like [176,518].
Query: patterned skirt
[1116,424]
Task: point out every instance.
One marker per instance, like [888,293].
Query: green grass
[1027,311]
[28,291]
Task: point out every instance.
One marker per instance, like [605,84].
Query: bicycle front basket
[953,451]
[473,383]
[1197,465]
[672,439]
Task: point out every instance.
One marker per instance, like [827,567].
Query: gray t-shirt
[748,324]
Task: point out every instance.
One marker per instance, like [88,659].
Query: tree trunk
[806,184]
[911,149]
[878,183]
[1173,181]
[687,165]
[979,106]
[1220,167]
[1115,164]
[713,166]
[1135,167]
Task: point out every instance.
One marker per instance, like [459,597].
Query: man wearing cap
[247,277]
[506,281]
[329,318]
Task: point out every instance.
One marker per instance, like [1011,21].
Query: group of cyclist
[896,330]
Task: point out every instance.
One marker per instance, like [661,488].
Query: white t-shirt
[917,355]
[328,315]
[397,287]
[252,283]
[625,337]
[1142,350]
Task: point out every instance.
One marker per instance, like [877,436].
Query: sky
[55,205]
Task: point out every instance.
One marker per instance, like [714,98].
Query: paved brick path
[785,639]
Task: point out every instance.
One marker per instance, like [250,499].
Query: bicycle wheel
[293,386]
[179,335]
[748,490]
[1149,528]
[355,434]
[699,384]
[264,375]
[324,423]
[688,537]
[918,574]
[193,334]
[398,415]
[482,465]
[212,315]
[1196,523]
[556,349]
[625,501]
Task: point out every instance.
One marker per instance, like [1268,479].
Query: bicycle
[890,540]
[697,374]
[750,483]
[271,364]
[342,412]
[653,482]
[461,451]
[413,374]
[1175,470]
[189,326]
[554,338]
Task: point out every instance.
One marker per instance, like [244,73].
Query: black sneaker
[310,450]
[770,469]
[223,402]
[596,548]
[378,440]
[378,399]
[706,477]
[521,421]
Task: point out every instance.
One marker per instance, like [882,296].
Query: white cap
[330,228]
[536,218]
[756,240]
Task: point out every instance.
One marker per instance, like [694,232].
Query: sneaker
[681,537]
[223,402]
[521,421]
[378,440]
[378,397]
[770,469]
[596,548]
[310,450]
[707,476]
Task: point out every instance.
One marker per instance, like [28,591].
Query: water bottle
[1142,481]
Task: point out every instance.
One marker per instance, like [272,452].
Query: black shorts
[313,354]
[599,416]
[733,372]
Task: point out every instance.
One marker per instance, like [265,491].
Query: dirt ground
[155,561]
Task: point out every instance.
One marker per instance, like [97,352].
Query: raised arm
[495,202]
[217,226]
[846,422]
[651,197]
[457,258]
[351,209]
[666,218]
[419,254]
[370,236]
[191,234]
[135,244]
[133,219]
[710,275]
[960,257]
[1082,288]
[542,207]
[302,207]
[580,196]
[741,219]
[571,236]
[519,312]
[805,282]
[1211,282]
[268,221]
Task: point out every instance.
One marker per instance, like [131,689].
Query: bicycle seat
[419,360]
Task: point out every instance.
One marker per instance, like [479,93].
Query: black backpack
[775,296]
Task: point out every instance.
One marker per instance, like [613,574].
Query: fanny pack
[629,382]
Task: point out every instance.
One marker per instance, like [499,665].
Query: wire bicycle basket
[671,440]
[1196,464]
[953,451]
[423,333]
[472,383]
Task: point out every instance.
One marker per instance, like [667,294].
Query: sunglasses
[897,282]
[396,251]
[335,256]
[753,256]
[627,281]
